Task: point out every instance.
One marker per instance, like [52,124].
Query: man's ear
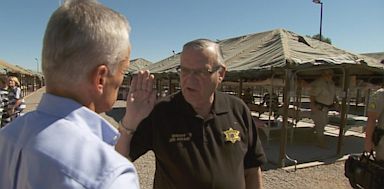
[222,73]
[99,76]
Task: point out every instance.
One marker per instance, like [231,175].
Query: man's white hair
[206,43]
[80,35]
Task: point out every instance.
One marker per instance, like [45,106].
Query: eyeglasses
[197,72]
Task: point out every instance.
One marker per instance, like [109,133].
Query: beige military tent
[261,54]
[137,64]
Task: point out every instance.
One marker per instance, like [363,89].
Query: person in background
[3,100]
[16,103]
[202,138]
[322,98]
[375,125]
[271,100]
[65,143]
[248,96]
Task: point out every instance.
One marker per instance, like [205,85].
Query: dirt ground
[326,176]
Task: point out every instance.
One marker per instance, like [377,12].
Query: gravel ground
[322,176]
[329,176]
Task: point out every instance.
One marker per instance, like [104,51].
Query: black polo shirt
[195,153]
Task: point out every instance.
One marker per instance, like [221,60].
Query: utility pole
[321,15]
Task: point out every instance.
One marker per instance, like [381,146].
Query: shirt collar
[71,110]
[185,106]
[220,104]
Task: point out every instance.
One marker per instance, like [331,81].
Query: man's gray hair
[205,43]
[80,35]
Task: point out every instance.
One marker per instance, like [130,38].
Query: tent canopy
[263,54]
[377,55]
[137,64]
[6,67]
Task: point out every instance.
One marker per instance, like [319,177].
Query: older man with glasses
[202,138]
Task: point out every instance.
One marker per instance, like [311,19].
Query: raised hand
[140,100]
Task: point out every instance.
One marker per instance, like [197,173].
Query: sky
[162,26]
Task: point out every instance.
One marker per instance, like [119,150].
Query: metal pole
[321,16]
[283,129]
[344,110]
[321,19]
[37,65]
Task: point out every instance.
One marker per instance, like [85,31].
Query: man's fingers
[149,86]
[141,86]
[140,80]
[133,86]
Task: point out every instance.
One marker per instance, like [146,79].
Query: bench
[267,126]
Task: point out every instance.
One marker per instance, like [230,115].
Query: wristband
[126,129]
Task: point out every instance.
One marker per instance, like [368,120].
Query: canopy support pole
[240,88]
[343,114]
[170,88]
[283,129]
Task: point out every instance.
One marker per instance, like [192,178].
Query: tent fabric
[167,65]
[14,68]
[252,55]
[377,55]
[137,64]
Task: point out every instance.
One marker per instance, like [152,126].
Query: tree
[324,39]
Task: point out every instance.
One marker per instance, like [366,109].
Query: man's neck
[203,111]
[204,108]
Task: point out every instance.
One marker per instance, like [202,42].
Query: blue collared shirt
[62,145]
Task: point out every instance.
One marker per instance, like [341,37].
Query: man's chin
[191,100]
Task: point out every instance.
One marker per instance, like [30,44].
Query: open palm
[141,98]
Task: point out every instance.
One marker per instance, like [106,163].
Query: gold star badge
[372,101]
[372,105]
[232,135]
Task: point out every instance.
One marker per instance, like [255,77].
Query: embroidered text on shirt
[180,137]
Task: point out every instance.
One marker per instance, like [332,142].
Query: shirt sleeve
[376,102]
[127,180]
[18,93]
[142,140]
[315,88]
[255,155]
